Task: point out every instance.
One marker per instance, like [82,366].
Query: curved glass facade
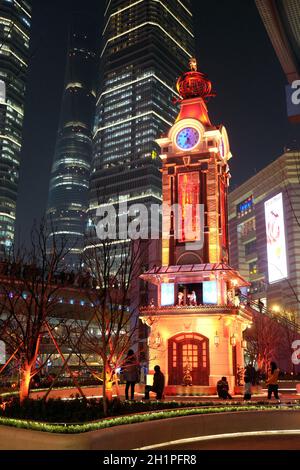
[68,192]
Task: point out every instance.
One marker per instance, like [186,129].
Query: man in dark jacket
[158,384]
[223,389]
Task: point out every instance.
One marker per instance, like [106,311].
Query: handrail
[279,318]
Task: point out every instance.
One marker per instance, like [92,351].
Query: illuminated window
[253,268]
[245,207]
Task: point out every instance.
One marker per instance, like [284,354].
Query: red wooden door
[189,351]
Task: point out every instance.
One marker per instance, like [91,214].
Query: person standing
[131,373]
[261,306]
[272,381]
[247,387]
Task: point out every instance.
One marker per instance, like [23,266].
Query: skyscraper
[282,22]
[145,44]
[15,25]
[68,192]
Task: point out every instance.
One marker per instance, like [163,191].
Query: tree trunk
[117,386]
[25,376]
[105,405]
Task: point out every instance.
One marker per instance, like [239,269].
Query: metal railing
[283,320]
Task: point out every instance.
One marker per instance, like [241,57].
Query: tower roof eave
[194,273]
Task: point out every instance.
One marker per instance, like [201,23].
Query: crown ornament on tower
[194,84]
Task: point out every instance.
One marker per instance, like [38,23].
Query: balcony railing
[181,309]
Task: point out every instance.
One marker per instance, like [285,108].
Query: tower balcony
[153,311]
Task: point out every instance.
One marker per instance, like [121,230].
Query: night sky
[232,48]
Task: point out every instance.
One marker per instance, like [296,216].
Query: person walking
[247,387]
[272,381]
[131,373]
[261,306]
[251,373]
[158,384]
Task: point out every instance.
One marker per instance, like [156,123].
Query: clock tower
[195,325]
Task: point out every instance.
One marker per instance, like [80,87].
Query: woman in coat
[131,373]
[272,381]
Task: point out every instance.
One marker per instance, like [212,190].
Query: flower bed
[131,419]
[77,416]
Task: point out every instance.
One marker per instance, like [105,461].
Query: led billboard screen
[188,197]
[167,295]
[276,242]
[293,101]
[210,293]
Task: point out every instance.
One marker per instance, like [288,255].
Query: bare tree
[112,327]
[28,298]
[264,341]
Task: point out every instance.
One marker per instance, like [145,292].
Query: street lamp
[276,308]
[217,339]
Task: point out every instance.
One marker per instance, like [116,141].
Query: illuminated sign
[293,101]
[167,295]
[188,198]
[276,243]
[210,293]
[245,207]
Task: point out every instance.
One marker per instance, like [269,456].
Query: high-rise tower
[68,192]
[145,43]
[15,25]
[196,322]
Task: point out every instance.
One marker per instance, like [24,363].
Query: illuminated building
[195,327]
[68,192]
[15,26]
[145,43]
[282,21]
[264,218]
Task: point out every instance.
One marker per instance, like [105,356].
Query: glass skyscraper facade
[15,26]
[68,192]
[146,45]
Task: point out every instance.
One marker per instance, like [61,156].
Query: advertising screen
[276,243]
[167,295]
[188,198]
[210,293]
[293,101]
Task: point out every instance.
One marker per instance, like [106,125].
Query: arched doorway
[189,350]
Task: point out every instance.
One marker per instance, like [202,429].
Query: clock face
[187,138]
